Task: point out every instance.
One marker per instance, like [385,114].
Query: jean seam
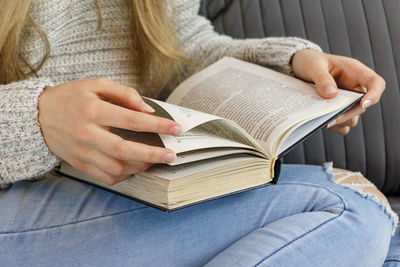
[311,230]
[371,200]
[393,258]
[71,223]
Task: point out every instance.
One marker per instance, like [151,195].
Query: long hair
[154,44]
[13,65]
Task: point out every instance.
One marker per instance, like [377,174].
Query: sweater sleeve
[23,152]
[203,46]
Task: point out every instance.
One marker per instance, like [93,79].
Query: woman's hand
[329,71]
[75,118]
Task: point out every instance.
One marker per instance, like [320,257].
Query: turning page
[199,131]
[265,103]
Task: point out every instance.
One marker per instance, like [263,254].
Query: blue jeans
[304,220]
[393,256]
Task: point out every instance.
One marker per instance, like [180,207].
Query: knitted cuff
[277,53]
[23,152]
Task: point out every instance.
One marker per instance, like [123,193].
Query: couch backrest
[368,30]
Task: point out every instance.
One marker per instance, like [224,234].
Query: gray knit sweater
[79,50]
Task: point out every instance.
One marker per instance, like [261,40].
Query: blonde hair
[154,43]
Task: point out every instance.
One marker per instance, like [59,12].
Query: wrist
[44,99]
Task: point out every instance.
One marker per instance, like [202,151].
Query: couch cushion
[368,30]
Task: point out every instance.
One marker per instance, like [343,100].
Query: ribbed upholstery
[368,30]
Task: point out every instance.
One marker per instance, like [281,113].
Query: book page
[151,139]
[201,131]
[209,153]
[204,141]
[212,134]
[175,172]
[263,102]
[216,146]
[292,137]
[187,118]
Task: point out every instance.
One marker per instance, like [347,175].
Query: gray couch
[368,30]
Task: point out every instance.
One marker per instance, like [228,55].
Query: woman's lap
[306,218]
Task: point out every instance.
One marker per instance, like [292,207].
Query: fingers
[352,122]
[349,115]
[329,71]
[348,120]
[375,87]
[97,173]
[353,74]
[102,161]
[79,114]
[356,75]
[108,169]
[116,116]
[109,179]
[120,94]
[121,149]
[108,114]
[345,127]
[342,130]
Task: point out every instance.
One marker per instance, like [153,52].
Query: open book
[238,120]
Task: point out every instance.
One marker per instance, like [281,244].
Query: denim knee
[377,222]
[362,186]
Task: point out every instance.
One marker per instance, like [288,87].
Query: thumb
[325,84]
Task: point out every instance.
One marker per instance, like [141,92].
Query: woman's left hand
[329,72]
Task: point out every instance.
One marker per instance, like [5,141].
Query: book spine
[276,169]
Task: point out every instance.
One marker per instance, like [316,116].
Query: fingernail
[176,130]
[330,89]
[169,157]
[332,123]
[367,103]
[147,108]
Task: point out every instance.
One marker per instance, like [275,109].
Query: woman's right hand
[75,118]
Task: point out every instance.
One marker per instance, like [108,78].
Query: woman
[65,113]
